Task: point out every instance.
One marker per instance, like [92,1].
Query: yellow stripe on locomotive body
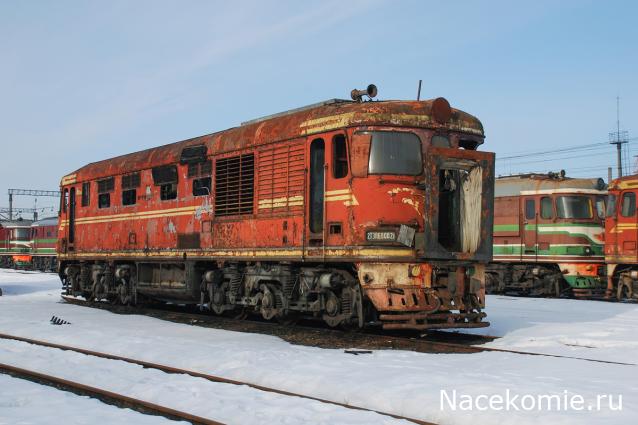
[311,202]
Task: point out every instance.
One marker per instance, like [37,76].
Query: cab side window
[339,157]
[628,208]
[530,209]
[547,210]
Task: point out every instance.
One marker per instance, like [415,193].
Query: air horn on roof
[370,91]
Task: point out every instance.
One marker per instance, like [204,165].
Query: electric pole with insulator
[618,137]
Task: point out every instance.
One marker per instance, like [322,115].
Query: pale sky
[81,81]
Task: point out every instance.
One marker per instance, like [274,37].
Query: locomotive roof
[626,182]
[305,121]
[528,184]
[8,224]
[48,221]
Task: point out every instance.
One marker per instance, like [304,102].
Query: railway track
[320,336]
[103,395]
[145,406]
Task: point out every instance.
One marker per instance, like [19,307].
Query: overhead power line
[565,149]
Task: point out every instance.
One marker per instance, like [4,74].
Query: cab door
[627,225]
[329,193]
[316,192]
[545,216]
[339,195]
[529,217]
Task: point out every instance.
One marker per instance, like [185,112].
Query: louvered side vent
[234,185]
[281,178]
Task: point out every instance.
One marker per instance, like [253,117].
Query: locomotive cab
[417,189]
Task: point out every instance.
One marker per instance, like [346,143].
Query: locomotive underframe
[391,295]
[544,279]
[622,281]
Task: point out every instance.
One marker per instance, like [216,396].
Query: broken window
[104,200]
[193,154]
[234,185]
[200,169]
[460,197]
[168,191]
[166,178]
[130,183]
[104,189]
[201,186]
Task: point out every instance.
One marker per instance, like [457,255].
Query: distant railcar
[548,236]
[352,212]
[15,248]
[44,238]
[621,237]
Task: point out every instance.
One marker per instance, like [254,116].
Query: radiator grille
[281,178]
[234,185]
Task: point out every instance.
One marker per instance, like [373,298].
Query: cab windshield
[574,207]
[393,152]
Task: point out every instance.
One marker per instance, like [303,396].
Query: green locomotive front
[548,236]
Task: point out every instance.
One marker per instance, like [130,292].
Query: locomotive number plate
[381,236]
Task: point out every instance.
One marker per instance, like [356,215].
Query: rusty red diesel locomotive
[352,212]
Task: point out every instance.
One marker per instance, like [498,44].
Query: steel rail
[423,344]
[103,395]
[212,378]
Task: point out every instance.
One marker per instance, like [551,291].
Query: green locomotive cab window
[530,209]
[578,207]
[628,208]
[547,208]
[394,152]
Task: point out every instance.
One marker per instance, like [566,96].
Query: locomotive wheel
[217,300]
[623,292]
[123,294]
[332,309]
[268,305]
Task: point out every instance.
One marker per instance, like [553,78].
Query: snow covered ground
[406,383]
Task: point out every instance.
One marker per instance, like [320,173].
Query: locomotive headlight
[587,250]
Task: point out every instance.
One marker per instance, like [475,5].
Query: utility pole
[618,137]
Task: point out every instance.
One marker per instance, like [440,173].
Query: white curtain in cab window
[472,188]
